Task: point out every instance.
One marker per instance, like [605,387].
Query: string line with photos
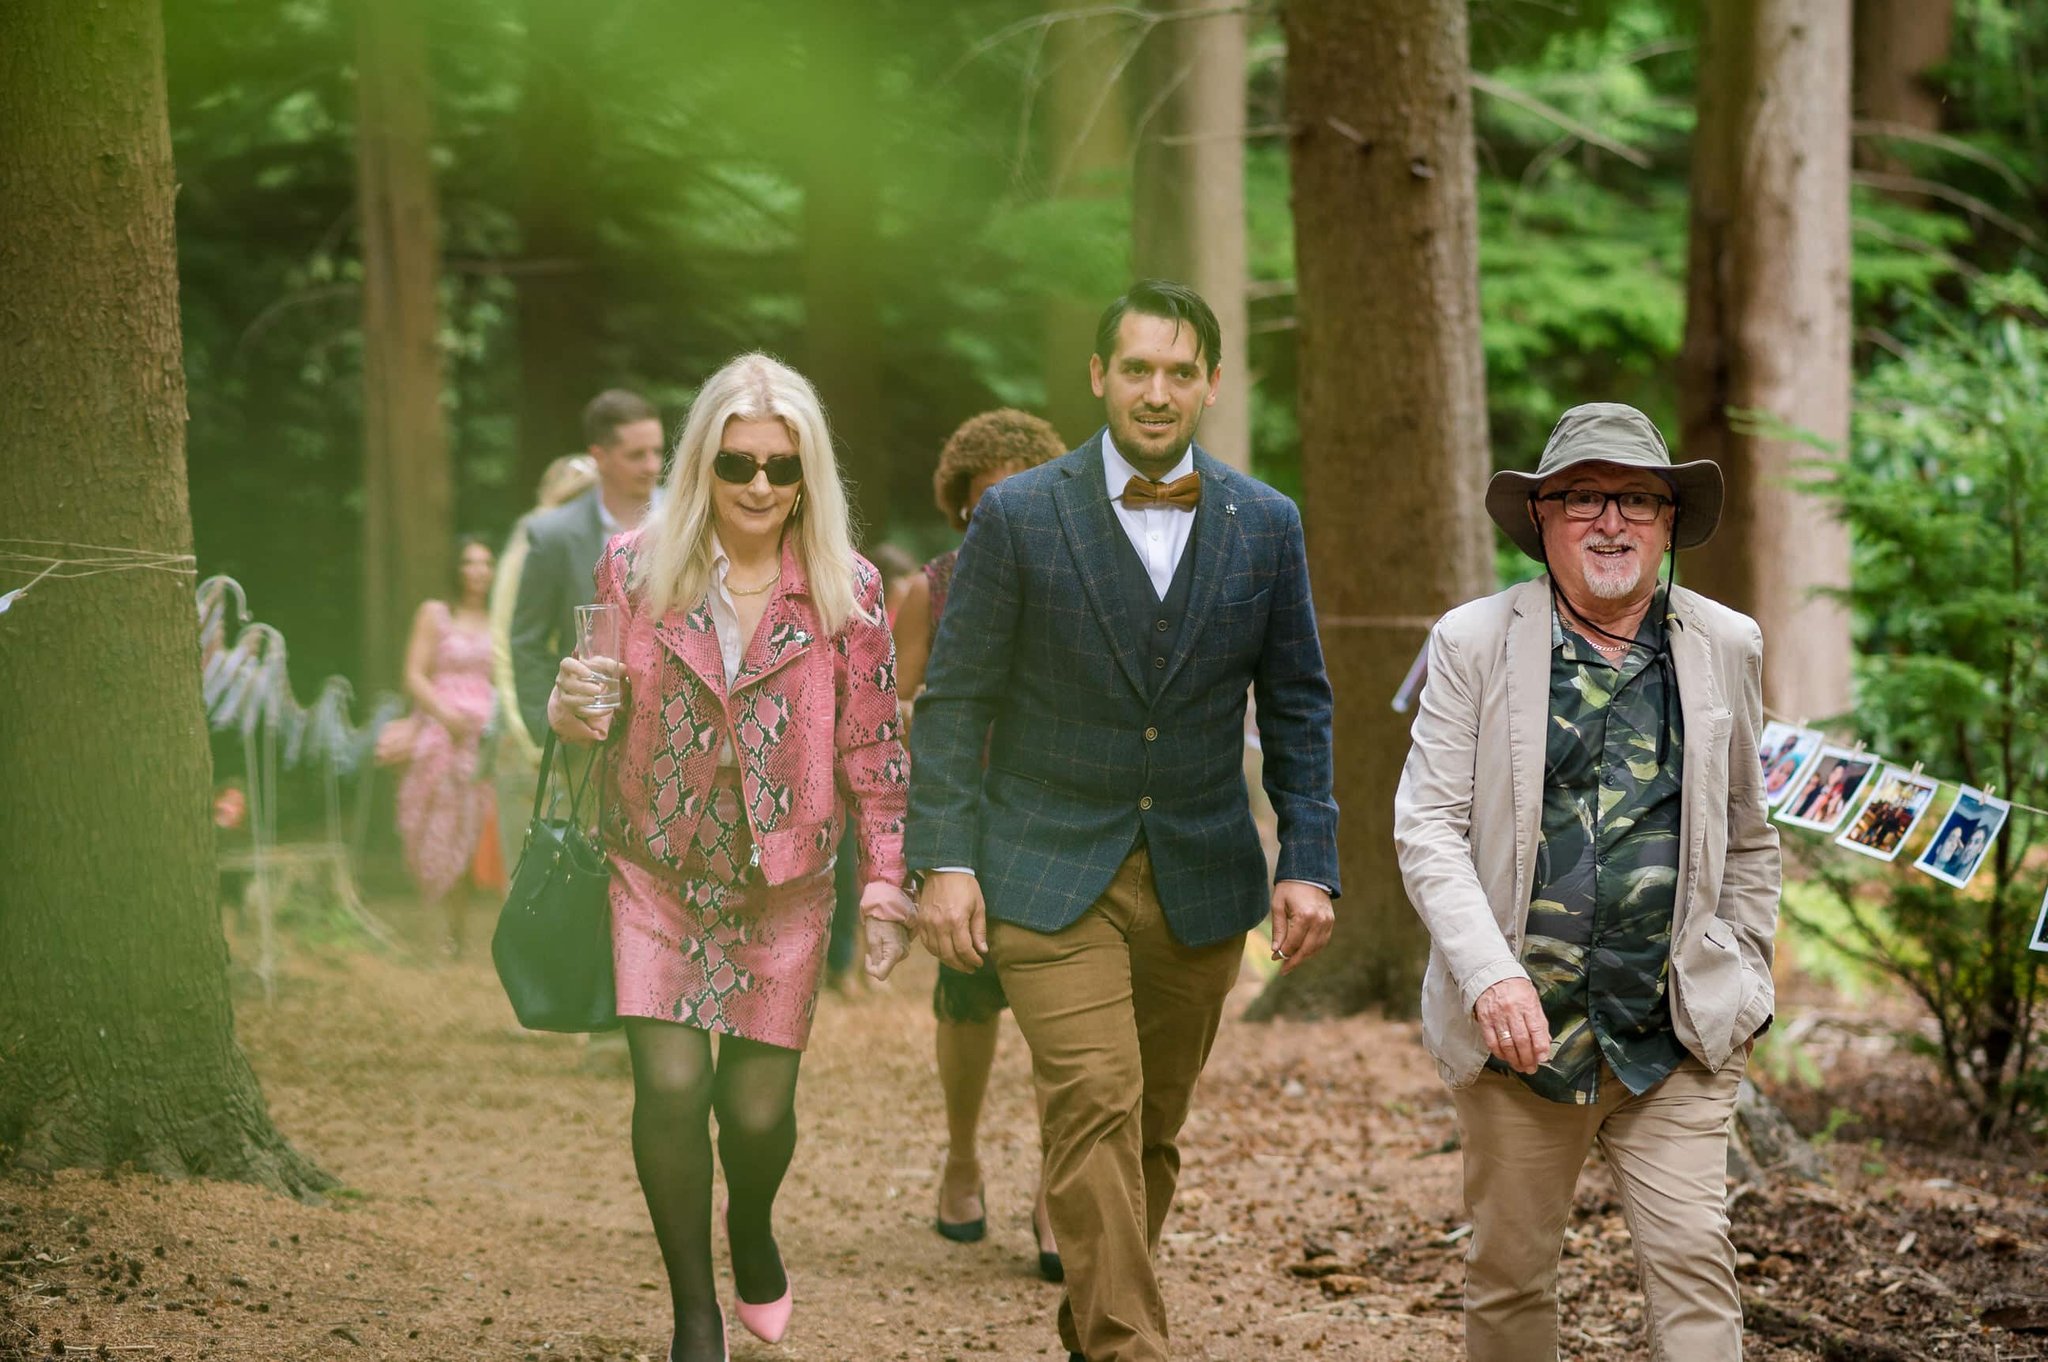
[1871,804]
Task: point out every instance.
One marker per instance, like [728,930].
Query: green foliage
[693,182]
[1944,493]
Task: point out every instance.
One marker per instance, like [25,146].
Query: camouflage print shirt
[1598,944]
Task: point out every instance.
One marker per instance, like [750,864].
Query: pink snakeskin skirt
[718,949]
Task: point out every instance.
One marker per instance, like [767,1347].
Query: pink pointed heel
[770,1321]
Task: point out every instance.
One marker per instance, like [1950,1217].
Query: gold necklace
[753,590]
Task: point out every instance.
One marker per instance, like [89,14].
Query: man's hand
[1511,1015]
[952,922]
[1302,921]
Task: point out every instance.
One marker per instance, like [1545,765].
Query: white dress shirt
[1159,533]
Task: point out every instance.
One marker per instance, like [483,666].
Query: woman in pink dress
[758,720]
[968,1007]
[442,807]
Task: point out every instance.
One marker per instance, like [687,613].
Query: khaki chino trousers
[1668,1152]
[1120,1018]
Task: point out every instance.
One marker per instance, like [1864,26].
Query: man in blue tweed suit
[1077,798]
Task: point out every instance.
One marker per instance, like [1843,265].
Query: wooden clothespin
[1859,748]
[1916,768]
[1802,722]
[1989,791]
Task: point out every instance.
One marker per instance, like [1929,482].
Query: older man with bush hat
[1581,826]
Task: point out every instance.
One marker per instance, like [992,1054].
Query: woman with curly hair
[980,454]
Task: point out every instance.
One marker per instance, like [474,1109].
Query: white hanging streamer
[246,685]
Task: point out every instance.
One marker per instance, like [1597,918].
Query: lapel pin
[1230,508]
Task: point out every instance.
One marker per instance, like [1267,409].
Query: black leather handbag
[553,945]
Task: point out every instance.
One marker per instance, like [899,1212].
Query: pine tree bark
[1897,44]
[1087,155]
[408,484]
[116,1032]
[842,246]
[1187,216]
[561,299]
[1767,329]
[1393,422]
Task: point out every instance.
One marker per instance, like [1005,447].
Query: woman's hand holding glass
[579,709]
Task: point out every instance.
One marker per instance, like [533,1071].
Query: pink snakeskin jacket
[813,721]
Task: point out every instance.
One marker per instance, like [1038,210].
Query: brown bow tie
[1185,493]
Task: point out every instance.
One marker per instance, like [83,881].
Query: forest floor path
[488,1207]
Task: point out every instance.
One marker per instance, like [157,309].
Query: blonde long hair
[673,565]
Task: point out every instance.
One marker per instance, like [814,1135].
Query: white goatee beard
[1612,589]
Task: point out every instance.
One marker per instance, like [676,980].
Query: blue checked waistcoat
[1089,745]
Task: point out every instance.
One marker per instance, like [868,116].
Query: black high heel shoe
[965,1231]
[1049,1265]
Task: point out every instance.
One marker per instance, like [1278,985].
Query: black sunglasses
[783,470]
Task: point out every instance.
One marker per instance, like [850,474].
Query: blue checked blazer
[1035,661]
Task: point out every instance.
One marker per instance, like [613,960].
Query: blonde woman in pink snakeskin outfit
[442,806]
[759,721]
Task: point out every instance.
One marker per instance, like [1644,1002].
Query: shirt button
[1145,802]
[1159,663]
[1151,735]
[1161,626]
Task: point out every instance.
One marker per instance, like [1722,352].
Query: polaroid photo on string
[2040,941]
[1785,750]
[1897,800]
[1963,837]
[1823,796]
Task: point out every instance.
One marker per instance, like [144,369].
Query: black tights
[676,1088]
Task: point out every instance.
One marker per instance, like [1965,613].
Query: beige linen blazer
[1470,804]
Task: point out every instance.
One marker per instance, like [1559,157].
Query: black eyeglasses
[1583,503]
[783,470]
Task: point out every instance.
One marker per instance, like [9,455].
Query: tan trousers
[1668,1151]
[1119,1017]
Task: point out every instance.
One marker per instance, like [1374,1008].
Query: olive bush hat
[1608,432]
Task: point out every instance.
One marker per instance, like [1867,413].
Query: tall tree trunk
[1897,44]
[1393,421]
[1767,328]
[408,486]
[842,243]
[1087,156]
[116,1032]
[1188,202]
[560,299]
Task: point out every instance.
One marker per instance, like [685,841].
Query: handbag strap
[576,787]
[540,788]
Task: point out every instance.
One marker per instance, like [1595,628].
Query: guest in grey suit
[1109,613]
[623,432]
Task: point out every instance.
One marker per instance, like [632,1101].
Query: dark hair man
[623,432]
[1108,614]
